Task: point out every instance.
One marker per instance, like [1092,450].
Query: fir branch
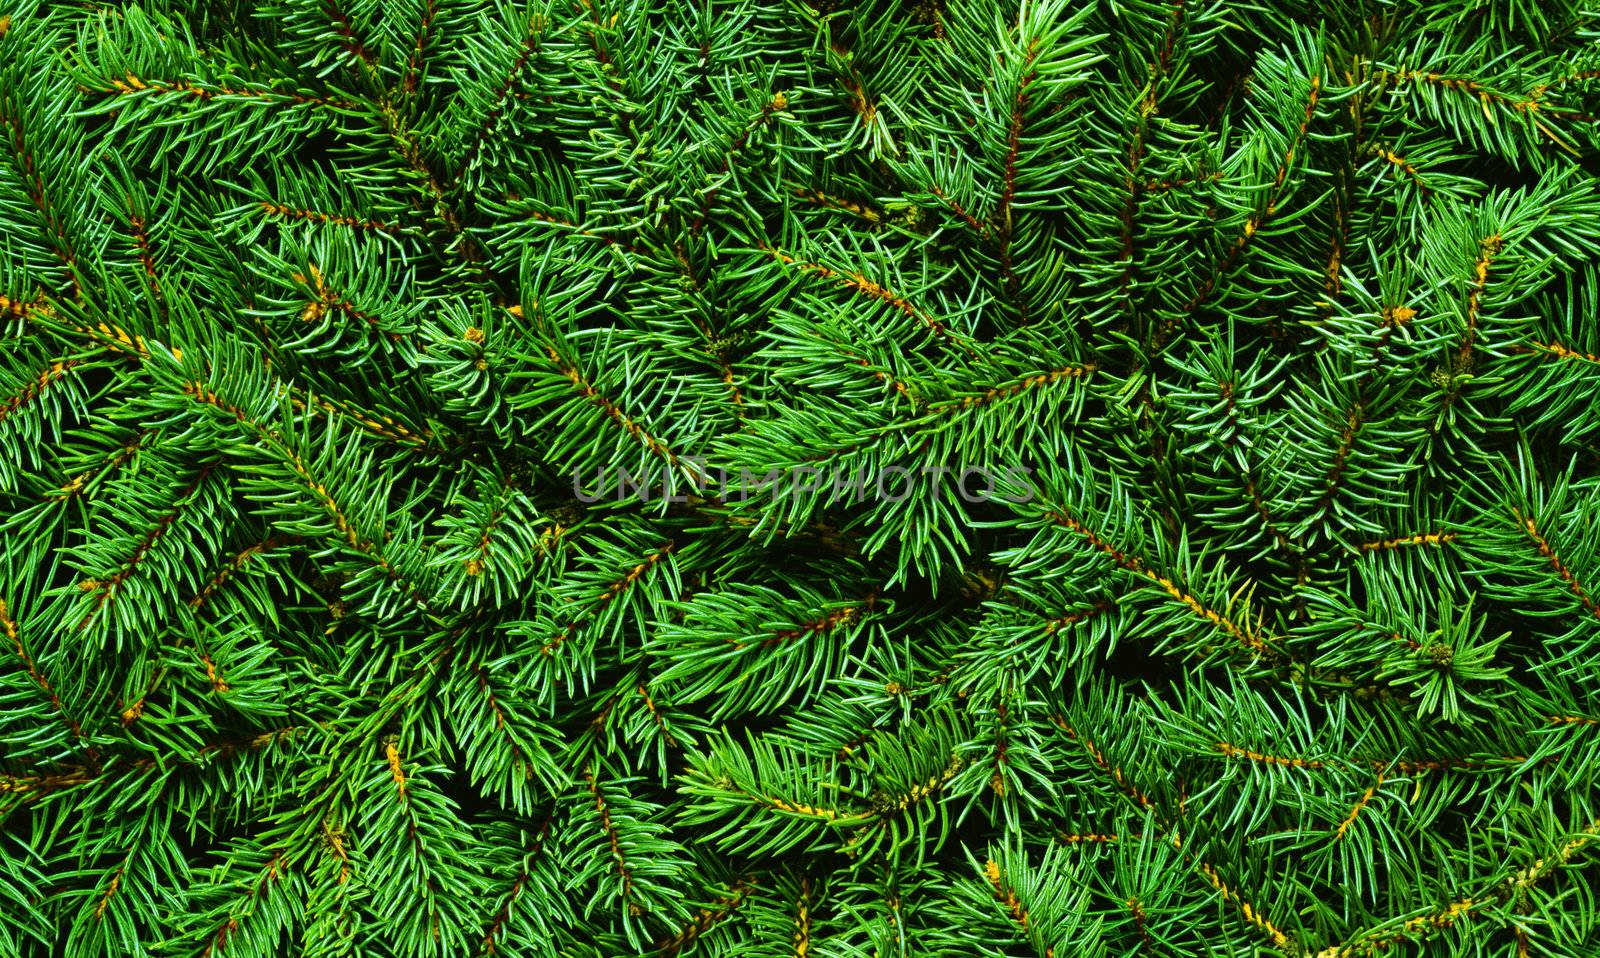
[519,757]
[330,219]
[583,387]
[1135,187]
[395,264]
[408,145]
[1286,761]
[1141,923]
[844,615]
[39,192]
[112,338]
[802,920]
[141,243]
[112,769]
[1403,166]
[842,64]
[1355,810]
[105,590]
[202,394]
[796,809]
[1557,564]
[272,874]
[1400,766]
[1016,387]
[1123,783]
[1008,177]
[1070,619]
[325,299]
[1531,107]
[532,38]
[572,227]
[884,804]
[1354,420]
[972,222]
[1091,838]
[708,199]
[18,309]
[13,636]
[656,716]
[619,858]
[868,214]
[1573,720]
[419,50]
[349,40]
[1252,225]
[1400,542]
[1260,647]
[79,484]
[1151,187]
[859,283]
[1232,440]
[1487,251]
[612,591]
[237,563]
[112,887]
[706,918]
[493,929]
[1563,352]
[35,387]
[131,85]
[1007,898]
[1252,914]
[377,424]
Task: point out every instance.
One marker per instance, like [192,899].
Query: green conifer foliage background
[1287,640]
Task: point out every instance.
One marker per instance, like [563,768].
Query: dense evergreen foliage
[1264,337]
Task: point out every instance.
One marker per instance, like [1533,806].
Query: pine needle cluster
[371,370]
